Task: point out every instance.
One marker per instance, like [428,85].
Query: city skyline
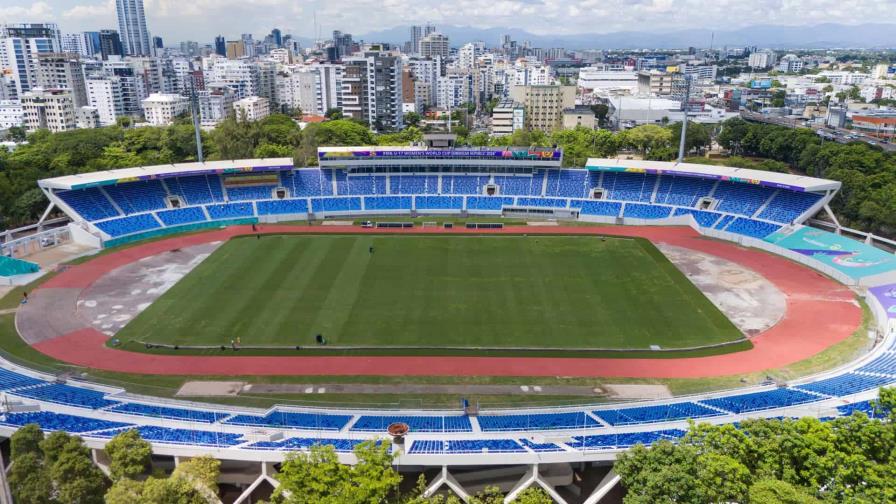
[204,20]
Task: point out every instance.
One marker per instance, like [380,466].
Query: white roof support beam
[533,477]
[446,479]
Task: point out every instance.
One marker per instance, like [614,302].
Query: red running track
[820,312]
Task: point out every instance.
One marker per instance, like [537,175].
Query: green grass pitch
[441,291]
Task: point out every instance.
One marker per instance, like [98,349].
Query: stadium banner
[251,180]
[509,153]
[187,173]
[850,257]
[683,173]
[886,296]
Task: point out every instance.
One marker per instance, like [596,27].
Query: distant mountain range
[823,36]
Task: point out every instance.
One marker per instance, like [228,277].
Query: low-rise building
[507,116]
[252,108]
[11,114]
[160,109]
[579,116]
[51,109]
[544,105]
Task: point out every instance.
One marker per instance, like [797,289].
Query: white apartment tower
[132,27]
[19,46]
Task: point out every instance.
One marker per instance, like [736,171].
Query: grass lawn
[559,292]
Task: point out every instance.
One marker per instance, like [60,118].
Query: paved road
[839,135]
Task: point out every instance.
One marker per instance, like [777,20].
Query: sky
[201,20]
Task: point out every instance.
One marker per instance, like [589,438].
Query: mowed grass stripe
[556,291]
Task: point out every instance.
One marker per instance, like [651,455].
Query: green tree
[129,454]
[25,441]
[412,119]
[646,137]
[317,476]
[697,136]
[769,491]
[29,481]
[333,114]
[76,479]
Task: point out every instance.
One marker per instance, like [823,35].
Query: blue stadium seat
[249,193]
[277,418]
[606,208]
[740,198]
[50,421]
[178,216]
[537,421]
[787,205]
[414,184]
[196,189]
[180,436]
[66,394]
[463,184]
[387,203]
[306,182]
[374,423]
[229,210]
[682,191]
[336,204]
[567,183]
[282,207]
[542,202]
[756,401]
[138,196]
[431,446]
[11,380]
[157,411]
[884,364]
[540,447]
[439,202]
[519,185]
[658,413]
[750,227]
[704,218]
[624,440]
[90,203]
[628,186]
[847,384]
[295,443]
[642,211]
[866,407]
[488,202]
[127,225]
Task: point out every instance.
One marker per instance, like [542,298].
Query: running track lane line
[820,313]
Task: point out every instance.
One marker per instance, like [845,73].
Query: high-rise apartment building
[371,90]
[434,44]
[20,44]
[220,46]
[110,44]
[62,71]
[132,27]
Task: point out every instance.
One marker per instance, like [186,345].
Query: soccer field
[438,291]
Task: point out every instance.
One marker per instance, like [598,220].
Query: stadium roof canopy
[108,177]
[746,175]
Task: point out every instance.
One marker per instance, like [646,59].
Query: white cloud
[27,13]
[92,12]
[201,20]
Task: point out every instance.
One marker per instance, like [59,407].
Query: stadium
[443,261]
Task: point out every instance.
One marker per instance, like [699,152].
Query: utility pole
[194,108]
[684,119]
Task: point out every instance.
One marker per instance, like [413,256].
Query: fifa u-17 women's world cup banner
[509,153]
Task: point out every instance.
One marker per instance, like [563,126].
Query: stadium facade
[757,209]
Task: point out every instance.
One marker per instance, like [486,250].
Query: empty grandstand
[766,210]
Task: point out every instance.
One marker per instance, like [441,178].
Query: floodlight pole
[684,120]
[194,108]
